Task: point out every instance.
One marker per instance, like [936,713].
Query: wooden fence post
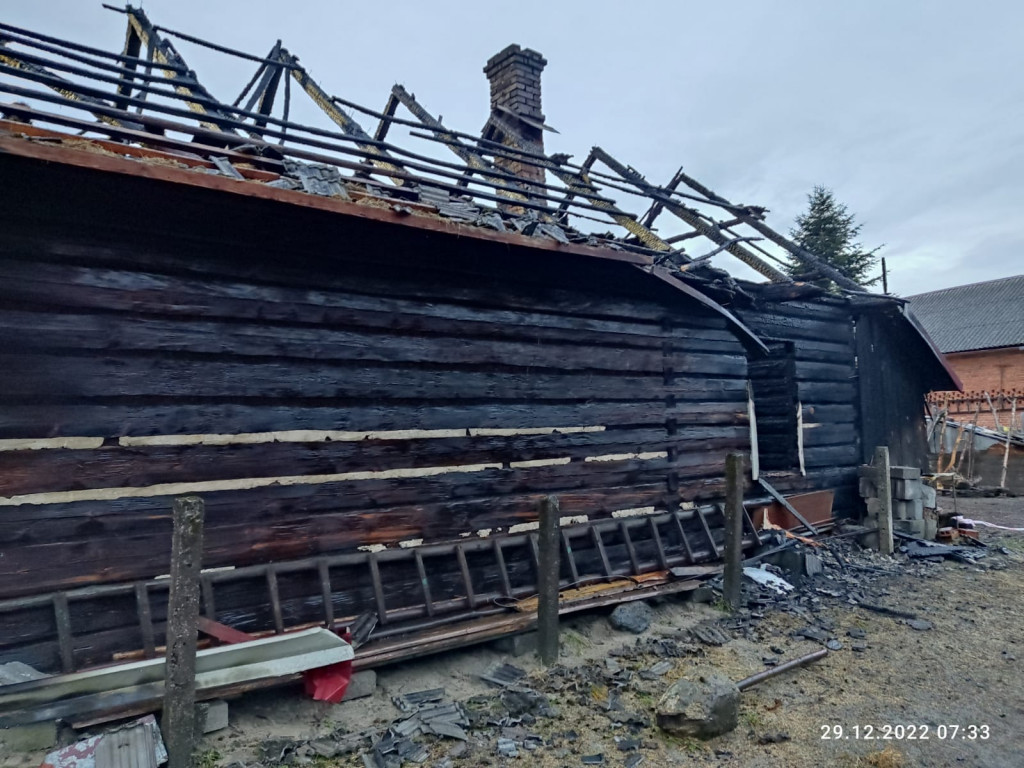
[179,717]
[549,555]
[733,575]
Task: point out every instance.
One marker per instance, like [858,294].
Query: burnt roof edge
[399,213]
[905,310]
[747,336]
[49,153]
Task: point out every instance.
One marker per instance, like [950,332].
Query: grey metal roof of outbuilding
[977,316]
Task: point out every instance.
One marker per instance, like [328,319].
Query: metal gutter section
[81,693]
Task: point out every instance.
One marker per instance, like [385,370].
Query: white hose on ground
[969,522]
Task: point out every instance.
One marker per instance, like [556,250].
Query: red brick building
[980,329]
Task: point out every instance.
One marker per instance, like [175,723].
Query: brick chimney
[514,74]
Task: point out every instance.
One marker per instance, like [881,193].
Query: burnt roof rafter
[580,182]
[473,158]
[182,77]
[554,191]
[710,230]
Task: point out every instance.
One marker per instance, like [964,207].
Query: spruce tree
[830,232]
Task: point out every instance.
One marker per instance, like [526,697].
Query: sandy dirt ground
[966,671]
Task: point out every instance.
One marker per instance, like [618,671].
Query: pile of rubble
[627,695]
[839,571]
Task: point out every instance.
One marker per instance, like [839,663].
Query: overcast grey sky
[911,111]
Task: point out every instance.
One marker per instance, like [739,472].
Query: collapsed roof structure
[373,362]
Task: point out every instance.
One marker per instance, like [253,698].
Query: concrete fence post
[884,485]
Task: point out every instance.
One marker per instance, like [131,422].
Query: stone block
[361,685]
[702,705]
[931,529]
[28,738]
[904,473]
[632,617]
[211,716]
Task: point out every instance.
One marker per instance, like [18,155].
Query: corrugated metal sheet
[978,316]
[134,747]
[138,744]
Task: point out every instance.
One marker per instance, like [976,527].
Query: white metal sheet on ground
[267,657]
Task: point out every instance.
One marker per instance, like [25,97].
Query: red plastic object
[329,683]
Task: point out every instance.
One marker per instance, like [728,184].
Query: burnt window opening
[773,382]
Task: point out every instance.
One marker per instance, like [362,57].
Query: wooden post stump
[733,574]
[549,554]
[179,716]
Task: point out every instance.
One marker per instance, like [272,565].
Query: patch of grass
[689,744]
[574,641]
[887,758]
[721,604]
[324,762]
[208,759]
[644,700]
[752,718]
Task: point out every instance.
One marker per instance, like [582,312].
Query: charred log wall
[820,336]
[324,385]
[895,377]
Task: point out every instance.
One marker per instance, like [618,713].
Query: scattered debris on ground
[893,628]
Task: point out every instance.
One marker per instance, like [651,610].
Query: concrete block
[874,508]
[28,738]
[906,490]
[867,472]
[361,685]
[902,510]
[211,716]
[867,488]
[907,510]
[812,564]
[904,473]
[517,645]
[790,561]
[928,497]
[702,595]
[913,527]
[931,529]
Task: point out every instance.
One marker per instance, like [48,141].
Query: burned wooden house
[372,363]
